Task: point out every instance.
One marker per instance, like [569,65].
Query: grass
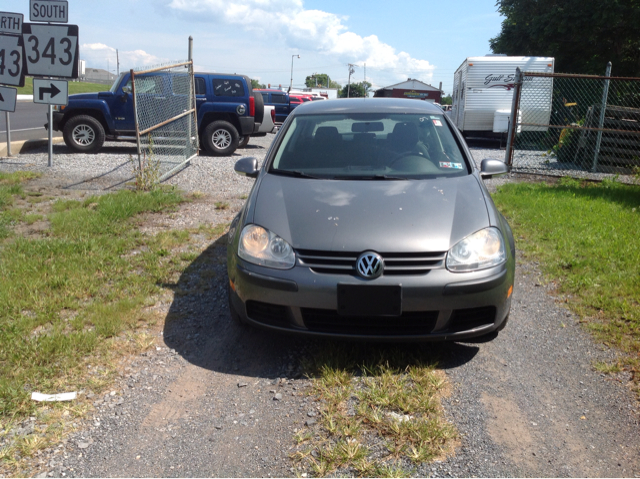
[74,300]
[584,235]
[64,294]
[380,413]
[74,87]
[11,187]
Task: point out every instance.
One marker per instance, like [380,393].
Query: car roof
[367,105]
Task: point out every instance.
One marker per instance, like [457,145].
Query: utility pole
[351,72]
[365,81]
[118,60]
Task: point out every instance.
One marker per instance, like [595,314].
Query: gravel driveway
[213,399]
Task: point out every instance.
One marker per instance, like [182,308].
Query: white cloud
[99,55]
[310,30]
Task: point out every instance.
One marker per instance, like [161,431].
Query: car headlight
[262,247]
[483,249]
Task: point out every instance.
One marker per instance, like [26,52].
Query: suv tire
[84,134]
[244,141]
[259,106]
[220,138]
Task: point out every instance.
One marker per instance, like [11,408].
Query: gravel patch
[215,399]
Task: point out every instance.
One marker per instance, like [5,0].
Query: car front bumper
[439,305]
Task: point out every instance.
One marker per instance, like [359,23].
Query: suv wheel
[244,141]
[220,138]
[84,134]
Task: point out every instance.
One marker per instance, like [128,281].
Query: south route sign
[53,11]
[11,64]
[51,50]
[8,98]
[50,92]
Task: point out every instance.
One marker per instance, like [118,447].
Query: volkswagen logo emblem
[370,265]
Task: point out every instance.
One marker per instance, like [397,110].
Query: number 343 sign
[50,50]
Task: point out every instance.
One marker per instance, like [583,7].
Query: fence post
[515,106]
[603,108]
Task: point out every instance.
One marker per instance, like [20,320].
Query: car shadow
[199,327]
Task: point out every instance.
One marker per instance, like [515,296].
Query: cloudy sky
[423,39]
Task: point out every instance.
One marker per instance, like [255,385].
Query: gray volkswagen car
[369,219]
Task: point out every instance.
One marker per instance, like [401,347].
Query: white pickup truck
[268,125]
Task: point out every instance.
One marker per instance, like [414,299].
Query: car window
[147,84]
[277,98]
[181,84]
[228,87]
[201,88]
[363,146]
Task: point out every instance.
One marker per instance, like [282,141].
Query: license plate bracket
[369,300]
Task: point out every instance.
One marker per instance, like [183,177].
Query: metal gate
[165,114]
[579,125]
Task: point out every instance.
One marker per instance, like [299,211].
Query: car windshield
[369,146]
[114,87]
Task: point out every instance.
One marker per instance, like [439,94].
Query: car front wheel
[220,138]
[83,134]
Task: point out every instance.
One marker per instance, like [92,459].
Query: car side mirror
[490,168]
[247,167]
[126,89]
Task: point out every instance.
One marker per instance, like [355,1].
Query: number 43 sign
[51,50]
[11,71]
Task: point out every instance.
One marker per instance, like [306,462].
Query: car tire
[244,141]
[220,138]
[84,134]
[259,106]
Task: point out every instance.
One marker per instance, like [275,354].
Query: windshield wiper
[297,174]
[388,177]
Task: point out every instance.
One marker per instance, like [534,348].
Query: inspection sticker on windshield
[437,122]
[449,164]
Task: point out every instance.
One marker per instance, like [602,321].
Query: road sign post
[8,135]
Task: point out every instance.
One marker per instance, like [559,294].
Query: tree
[446,100]
[256,84]
[321,80]
[582,35]
[357,90]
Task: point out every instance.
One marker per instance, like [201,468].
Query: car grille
[408,324]
[272,314]
[464,319]
[395,264]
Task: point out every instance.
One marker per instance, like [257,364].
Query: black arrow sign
[53,91]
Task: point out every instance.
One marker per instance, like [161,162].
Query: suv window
[201,88]
[147,84]
[277,98]
[222,87]
[181,84]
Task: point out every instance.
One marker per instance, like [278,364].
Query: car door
[122,110]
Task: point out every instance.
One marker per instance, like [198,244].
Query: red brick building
[411,89]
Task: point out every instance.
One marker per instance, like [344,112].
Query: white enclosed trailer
[483,88]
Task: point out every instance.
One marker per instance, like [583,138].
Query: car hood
[384,216]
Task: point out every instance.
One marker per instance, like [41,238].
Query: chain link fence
[166,123]
[577,125]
